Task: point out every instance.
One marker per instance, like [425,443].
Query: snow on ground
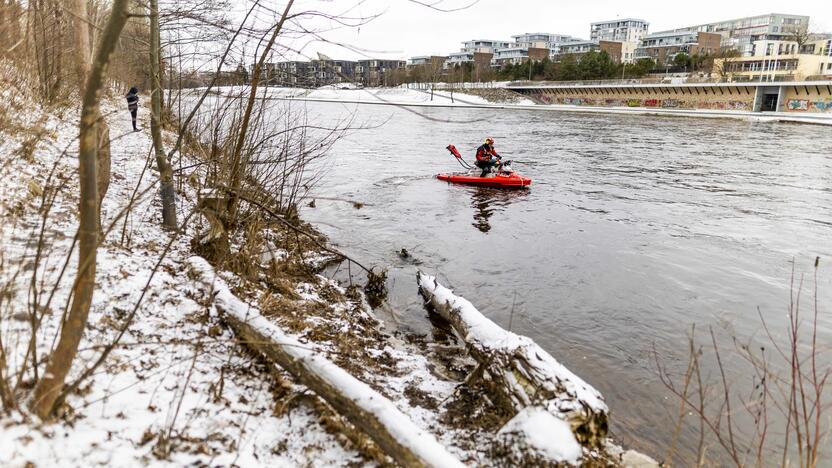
[485,334]
[391,96]
[473,98]
[179,390]
[420,442]
[544,433]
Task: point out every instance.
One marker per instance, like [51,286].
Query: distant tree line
[590,66]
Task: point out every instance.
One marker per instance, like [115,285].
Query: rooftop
[618,20]
[765,15]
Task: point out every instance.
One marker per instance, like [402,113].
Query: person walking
[133,105]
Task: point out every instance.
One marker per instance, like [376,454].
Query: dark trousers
[486,166]
[133,113]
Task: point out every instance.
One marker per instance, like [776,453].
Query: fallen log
[521,371]
[366,409]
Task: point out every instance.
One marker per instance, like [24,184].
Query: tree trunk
[162,163]
[102,132]
[81,33]
[356,401]
[524,373]
[49,387]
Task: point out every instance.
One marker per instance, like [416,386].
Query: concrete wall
[807,99]
[812,98]
[739,98]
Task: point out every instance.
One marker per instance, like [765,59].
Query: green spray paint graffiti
[798,104]
[820,106]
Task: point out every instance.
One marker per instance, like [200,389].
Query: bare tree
[49,387]
[779,416]
[165,171]
[237,163]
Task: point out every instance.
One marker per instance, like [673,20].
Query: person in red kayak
[487,157]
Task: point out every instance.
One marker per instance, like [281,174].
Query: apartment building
[612,48]
[526,46]
[663,47]
[484,46]
[741,33]
[287,74]
[374,72]
[628,31]
[542,40]
[779,61]
[423,60]
[325,72]
[515,55]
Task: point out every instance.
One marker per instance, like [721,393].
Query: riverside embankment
[634,229]
[810,104]
[175,377]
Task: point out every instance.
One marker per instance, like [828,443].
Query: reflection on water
[486,201]
[635,228]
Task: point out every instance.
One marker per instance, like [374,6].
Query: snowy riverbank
[180,387]
[464,98]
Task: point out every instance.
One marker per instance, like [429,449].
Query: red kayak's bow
[499,180]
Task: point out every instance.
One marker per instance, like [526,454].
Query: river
[635,229]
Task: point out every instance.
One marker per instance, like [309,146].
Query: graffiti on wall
[798,104]
[820,106]
[739,105]
[734,105]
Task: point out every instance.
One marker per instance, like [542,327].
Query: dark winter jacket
[133,99]
[485,152]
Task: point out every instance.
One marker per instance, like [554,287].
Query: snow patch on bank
[176,375]
[419,441]
[544,434]
[391,96]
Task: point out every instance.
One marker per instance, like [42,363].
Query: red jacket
[485,152]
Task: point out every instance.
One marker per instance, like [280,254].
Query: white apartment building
[578,47]
[628,31]
[484,46]
[513,55]
[741,33]
[619,30]
[458,58]
[518,52]
[542,40]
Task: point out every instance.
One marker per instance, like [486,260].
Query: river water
[634,229]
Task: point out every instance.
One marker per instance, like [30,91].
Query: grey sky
[407,29]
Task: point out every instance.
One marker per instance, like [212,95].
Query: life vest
[485,152]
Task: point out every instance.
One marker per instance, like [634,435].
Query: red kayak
[504,177]
[498,180]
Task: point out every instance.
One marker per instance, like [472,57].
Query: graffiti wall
[809,105]
[652,102]
[795,98]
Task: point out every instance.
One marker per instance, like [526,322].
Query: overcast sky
[406,29]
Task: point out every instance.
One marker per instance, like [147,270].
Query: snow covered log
[525,373]
[365,408]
